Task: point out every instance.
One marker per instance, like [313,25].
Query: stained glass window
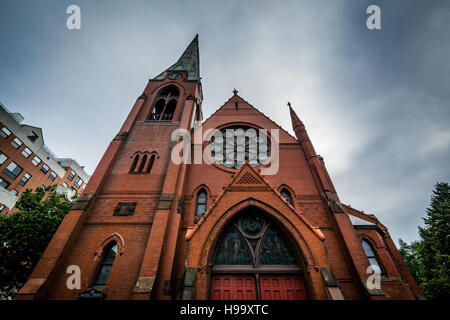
[232,249]
[252,240]
[251,225]
[275,250]
[235,144]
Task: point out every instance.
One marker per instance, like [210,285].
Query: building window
[36,161]
[65,185]
[143,161]
[52,176]
[134,164]
[287,195]
[150,163]
[45,168]
[233,145]
[71,175]
[5,184]
[200,207]
[16,143]
[274,248]
[32,136]
[125,209]
[144,165]
[25,179]
[5,133]
[3,158]
[165,104]
[13,170]
[14,192]
[78,182]
[26,152]
[105,267]
[373,260]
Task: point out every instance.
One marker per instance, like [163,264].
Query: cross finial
[235,91]
[289,104]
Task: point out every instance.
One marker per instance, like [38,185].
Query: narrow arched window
[134,164]
[109,254]
[165,104]
[150,164]
[287,195]
[373,260]
[144,160]
[197,113]
[200,207]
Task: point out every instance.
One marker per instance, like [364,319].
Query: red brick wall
[111,183]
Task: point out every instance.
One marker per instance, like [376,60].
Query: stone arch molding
[113,237]
[208,235]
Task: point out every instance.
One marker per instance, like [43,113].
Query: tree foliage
[429,257]
[25,234]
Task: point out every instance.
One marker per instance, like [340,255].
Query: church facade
[149,227]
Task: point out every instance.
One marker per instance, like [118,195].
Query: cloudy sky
[376,103]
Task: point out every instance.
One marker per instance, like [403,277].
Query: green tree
[25,234]
[429,257]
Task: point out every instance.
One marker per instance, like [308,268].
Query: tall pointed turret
[301,134]
[189,62]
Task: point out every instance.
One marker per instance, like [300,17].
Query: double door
[270,287]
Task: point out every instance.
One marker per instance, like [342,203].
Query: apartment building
[26,162]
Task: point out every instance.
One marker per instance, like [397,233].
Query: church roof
[251,106]
[189,62]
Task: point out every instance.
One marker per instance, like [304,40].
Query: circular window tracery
[253,240]
[233,145]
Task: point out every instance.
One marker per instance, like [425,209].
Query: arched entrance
[253,259]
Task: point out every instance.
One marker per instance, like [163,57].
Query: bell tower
[132,205]
[172,100]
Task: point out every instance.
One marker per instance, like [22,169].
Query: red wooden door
[233,287]
[282,288]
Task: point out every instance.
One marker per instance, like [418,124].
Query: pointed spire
[296,122]
[189,62]
[300,133]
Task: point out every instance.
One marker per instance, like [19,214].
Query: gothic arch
[165,102]
[285,186]
[301,237]
[113,237]
[375,248]
[195,195]
[198,188]
[181,88]
[300,244]
[98,255]
[142,161]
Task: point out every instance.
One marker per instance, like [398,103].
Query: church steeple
[189,62]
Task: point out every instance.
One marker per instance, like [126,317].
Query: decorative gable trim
[233,185]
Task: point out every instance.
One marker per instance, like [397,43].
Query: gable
[237,111]
[246,180]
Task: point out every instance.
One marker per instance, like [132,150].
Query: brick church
[148,227]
